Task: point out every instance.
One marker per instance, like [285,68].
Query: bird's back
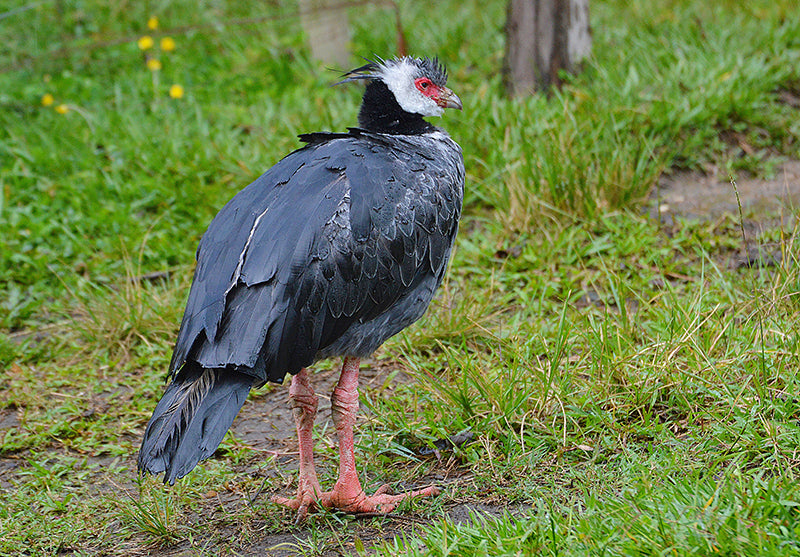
[333,250]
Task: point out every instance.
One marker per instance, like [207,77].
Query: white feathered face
[418,84]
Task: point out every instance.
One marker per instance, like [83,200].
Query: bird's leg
[304,409]
[347,494]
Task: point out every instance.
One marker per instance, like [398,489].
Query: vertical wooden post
[544,37]
[327,30]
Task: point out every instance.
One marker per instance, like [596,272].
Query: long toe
[307,499]
[381,502]
[303,503]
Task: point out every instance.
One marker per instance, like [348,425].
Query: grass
[627,391]
[735,517]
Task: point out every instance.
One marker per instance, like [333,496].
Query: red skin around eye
[426,87]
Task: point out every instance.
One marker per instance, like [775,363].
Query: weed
[153,513]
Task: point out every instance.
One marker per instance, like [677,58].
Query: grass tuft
[153,514]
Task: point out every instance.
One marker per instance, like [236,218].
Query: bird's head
[418,84]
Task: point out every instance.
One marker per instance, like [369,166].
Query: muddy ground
[265,422]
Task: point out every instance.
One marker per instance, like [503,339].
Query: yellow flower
[145,42]
[62,109]
[152,23]
[153,64]
[176,91]
[167,44]
[47,99]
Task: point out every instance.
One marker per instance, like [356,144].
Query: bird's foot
[381,502]
[308,498]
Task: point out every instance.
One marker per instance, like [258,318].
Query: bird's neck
[381,113]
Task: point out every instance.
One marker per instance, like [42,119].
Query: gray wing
[316,256]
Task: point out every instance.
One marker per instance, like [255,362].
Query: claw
[382,489]
[381,502]
[303,503]
[302,513]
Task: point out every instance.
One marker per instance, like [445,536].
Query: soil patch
[766,204]
[694,195]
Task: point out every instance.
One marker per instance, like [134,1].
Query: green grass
[627,391]
[726,516]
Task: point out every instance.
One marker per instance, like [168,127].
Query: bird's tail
[191,419]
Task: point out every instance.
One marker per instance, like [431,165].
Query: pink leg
[304,409]
[347,494]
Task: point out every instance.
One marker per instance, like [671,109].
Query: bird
[336,248]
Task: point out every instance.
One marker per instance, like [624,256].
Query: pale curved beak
[448,99]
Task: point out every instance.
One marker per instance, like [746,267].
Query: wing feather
[299,263]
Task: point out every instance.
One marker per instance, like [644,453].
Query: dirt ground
[265,422]
[697,196]
[765,204]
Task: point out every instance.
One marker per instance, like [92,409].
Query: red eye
[425,85]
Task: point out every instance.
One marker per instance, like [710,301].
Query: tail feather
[191,419]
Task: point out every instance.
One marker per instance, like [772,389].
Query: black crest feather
[428,67]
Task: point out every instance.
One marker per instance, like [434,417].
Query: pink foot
[347,495]
[307,500]
[304,409]
[380,502]
[310,499]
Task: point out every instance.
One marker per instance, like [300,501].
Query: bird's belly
[362,338]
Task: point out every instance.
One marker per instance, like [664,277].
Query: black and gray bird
[333,250]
